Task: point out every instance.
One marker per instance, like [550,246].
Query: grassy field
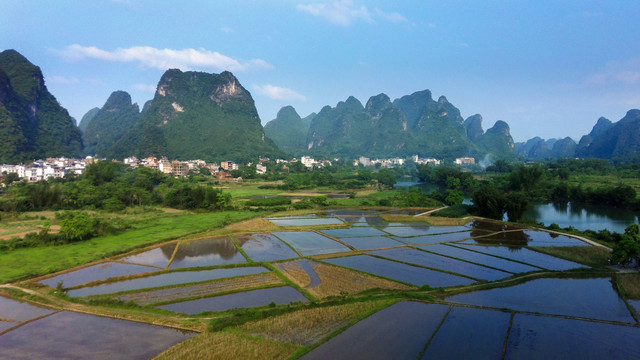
[589,255]
[228,345]
[30,262]
[630,283]
[307,326]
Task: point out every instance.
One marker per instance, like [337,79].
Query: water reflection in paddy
[592,298]
[265,247]
[397,332]
[469,333]
[68,335]
[424,258]
[488,260]
[521,238]
[306,222]
[20,311]
[158,257]
[398,271]
[421,229]
[525,255]
[206,252]
[541,337]
[371,242]
[311,243]
[174,278]
[261,297]
[354,232]
[95,273]
[433,239]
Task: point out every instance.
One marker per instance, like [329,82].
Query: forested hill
[412,124]
[32,123]
[197,115]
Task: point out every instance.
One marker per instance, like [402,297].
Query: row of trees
[112,186]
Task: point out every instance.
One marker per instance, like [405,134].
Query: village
[60,167]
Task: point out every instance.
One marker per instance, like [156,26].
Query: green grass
[30,262]
[246,191]
[594,256]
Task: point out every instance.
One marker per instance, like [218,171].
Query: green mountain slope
[196,115]
[113,120]
[86,118]
[288,131]
[32,123]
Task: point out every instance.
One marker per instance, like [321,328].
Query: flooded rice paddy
[311,243]
[167,279]
[70,335]
[401,272]
[593,298]
[576,317]
[423,258]
[265,247]
[95,273]
[261,297]
[525,255]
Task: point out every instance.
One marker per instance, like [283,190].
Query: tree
[628,248]
[78,227]
[515,205]
[526,177]
[10,178]
[489,202]
[453,197]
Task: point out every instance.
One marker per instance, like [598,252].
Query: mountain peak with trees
[33,124]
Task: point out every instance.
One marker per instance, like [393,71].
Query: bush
[303,204]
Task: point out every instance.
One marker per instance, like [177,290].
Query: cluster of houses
[59,167]
[389,163]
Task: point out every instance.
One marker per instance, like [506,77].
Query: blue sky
[548,68]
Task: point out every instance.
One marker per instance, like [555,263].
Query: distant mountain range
[213,117]
[411,125]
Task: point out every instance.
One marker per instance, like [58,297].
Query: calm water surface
[592,298]
[397,332]
[69,335]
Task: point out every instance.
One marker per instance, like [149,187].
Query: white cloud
[615,72]
[58,79]
[163,59]
[145,87]
[279,93]
[393,17]
[345,12]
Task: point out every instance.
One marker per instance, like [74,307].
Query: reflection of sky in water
[401,272]
[265,247]
[206,252]
[397,332]
[593,218]
[20,311]
[95,273]
[461,326]
[155,257]
[423,258]
[526,256]
[174,278]
[542,337]
[592,298]
[488,260]
[260,297]
[69,335]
